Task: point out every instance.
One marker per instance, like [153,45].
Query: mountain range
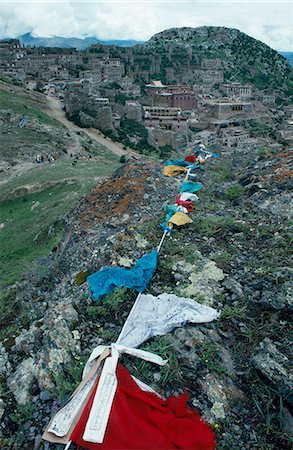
[289,56]
[63,42]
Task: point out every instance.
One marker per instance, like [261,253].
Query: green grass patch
[104,165]
[222,257]
[230,312]
[210,358]
[212,224]
[110,306]
[29,234]
[269,403]
[33,223]
[95,148]
[22,414]
[234,192]
[24,104]
[25,136]
[66,381]
[169,375]
[113,307]
[177,252]
[222,171]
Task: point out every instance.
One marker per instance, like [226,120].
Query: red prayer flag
[191,159]
[143,420]
[186,203]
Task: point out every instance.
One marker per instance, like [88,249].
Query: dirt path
[55,110]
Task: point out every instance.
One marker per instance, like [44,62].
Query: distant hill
[243,58]
[63,42]
[289,56]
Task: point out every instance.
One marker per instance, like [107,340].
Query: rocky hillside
[26,131]
[235,256]
[243,57]
[44,169]
[289,56]
[174,56]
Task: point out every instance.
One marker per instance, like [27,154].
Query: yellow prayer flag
[180,218]
[171,171]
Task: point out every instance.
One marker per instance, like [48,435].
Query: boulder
[5,366]
[274,365]
[279,297]
[21,381]
[203,278]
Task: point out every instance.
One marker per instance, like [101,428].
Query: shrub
[234,192]
[264,151]
[22,414]
[211,224]
[222,171]
[165,151]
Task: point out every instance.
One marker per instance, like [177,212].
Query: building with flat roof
[165,118]
[171,96]
[225,109]
[237,91]
[183,100]
[234,136]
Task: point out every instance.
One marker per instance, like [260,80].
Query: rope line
[159,247]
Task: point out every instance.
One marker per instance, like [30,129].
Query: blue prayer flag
[177,162]
[164,224]
[190,186]
[107,279]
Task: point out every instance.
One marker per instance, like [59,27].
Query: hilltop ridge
[244,58]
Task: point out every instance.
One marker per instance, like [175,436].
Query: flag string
[110,363]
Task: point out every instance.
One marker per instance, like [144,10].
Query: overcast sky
[269,21]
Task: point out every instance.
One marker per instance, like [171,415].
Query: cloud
[270,22]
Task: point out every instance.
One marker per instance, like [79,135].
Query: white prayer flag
[156,316]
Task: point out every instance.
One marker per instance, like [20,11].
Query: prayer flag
[140,419]
[171,171]
[155,316]
[180,218]
[107,279]
[190,186]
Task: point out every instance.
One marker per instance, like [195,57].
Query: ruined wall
[102,120]
[133,111]
[160,138]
